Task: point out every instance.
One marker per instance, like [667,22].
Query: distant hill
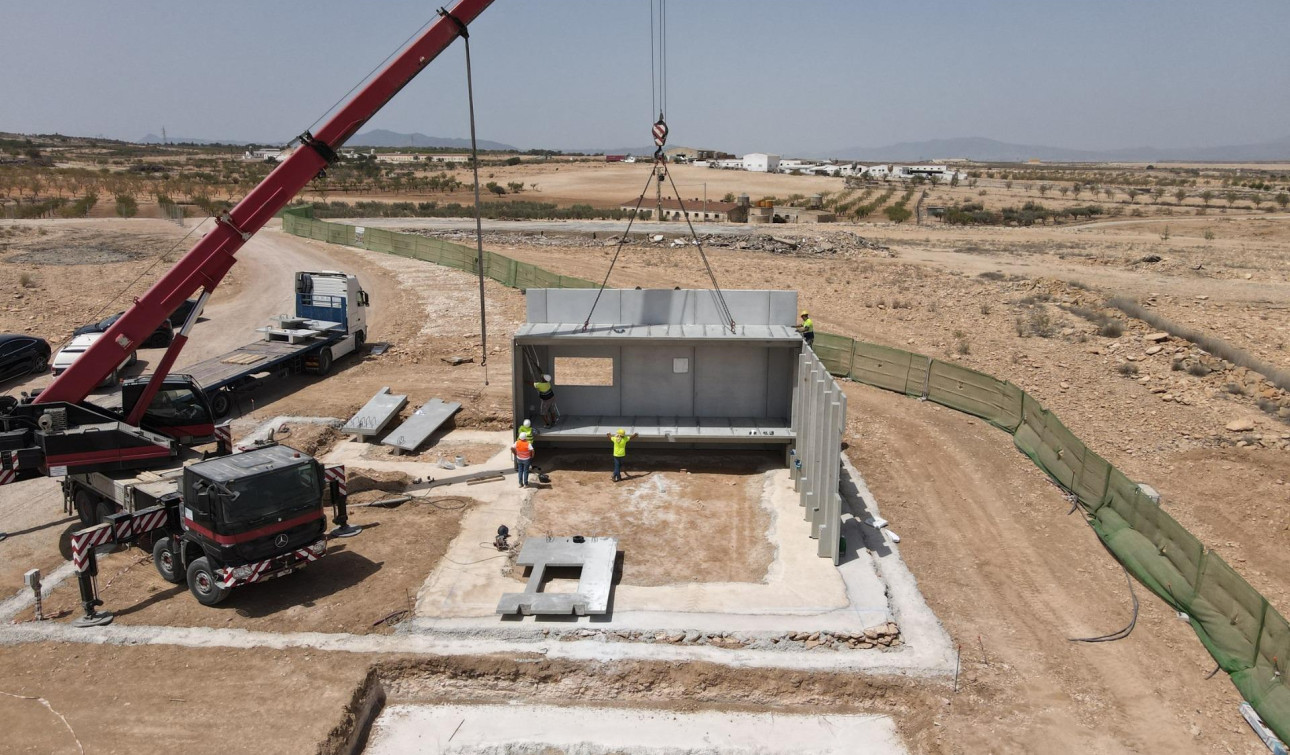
[992,150]
[381,138]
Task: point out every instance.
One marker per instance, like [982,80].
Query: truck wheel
[102,510]
[203,583]
[85,503]
[164,560]
[324,362]
[360,338]
[221,404]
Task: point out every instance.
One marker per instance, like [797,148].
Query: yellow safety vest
[544,390]
[620,444]
[808,325]
[525,433]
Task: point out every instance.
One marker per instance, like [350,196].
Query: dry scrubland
[1000,562]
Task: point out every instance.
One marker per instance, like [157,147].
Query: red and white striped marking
[7,476]
[257,571]
[264,569]
[224,435]
[335,473]
[148,520]
[86,540]
[660,134]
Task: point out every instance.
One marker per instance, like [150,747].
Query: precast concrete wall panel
[661,306]
[819,416]
[780,368]
[730,381]
[651,385]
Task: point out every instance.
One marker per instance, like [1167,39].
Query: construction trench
[727,547]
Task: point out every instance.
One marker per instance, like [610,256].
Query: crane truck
[224,521]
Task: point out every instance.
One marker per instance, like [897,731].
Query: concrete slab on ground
[594,556]
[800,590]
[375,414]
[422,424]
[548,728]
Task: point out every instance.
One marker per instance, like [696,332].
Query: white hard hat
[527,423]
[546,378]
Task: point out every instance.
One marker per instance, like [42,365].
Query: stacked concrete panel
[819,419]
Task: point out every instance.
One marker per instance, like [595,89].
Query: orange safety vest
[523,451]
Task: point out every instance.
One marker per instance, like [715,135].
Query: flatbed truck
[330,322]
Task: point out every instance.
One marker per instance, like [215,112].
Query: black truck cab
[246,518]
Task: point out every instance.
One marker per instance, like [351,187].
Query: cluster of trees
[899,212]
[514,210]
[975,213]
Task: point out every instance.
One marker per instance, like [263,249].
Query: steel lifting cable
[712,276]
[479,223]
[658,83]
[617,251]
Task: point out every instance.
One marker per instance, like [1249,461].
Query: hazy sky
[786,76]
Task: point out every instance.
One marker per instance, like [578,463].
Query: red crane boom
[206,264]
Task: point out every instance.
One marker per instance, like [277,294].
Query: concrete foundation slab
[421,425]
[375,414]
[547,728]
[593,555]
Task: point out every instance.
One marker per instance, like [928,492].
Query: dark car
[20,355]
[160,338]
[181,313]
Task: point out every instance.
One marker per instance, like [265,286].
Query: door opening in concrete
[585,371]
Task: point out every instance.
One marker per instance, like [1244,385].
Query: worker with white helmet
[546,392]
[620,440]
[525,431]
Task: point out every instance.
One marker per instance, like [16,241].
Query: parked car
[22,355]
[72,351]
[160,338]
[180,315]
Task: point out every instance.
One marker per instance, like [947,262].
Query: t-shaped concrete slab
[594,555]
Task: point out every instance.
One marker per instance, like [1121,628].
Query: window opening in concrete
[586,371]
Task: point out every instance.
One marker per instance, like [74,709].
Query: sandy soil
[1013,576]
[134,699]
[677,519]
[360,581]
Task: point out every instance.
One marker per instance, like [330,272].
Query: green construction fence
[1248,638]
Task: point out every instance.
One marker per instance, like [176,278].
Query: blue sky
[789,77]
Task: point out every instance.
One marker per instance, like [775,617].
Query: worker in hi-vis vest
[523,450]
[620,440]
[546,392]
[807,329]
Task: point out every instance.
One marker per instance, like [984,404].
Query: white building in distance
[760,162]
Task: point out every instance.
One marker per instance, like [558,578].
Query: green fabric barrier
[1263,683]
[884,367]
[975,393]
[835,352]
[1092,481]
[1227,614]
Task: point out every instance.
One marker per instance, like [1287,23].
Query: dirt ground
[360,581]
[1001,562]
[1013,576]
[680,519]
[149,699]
